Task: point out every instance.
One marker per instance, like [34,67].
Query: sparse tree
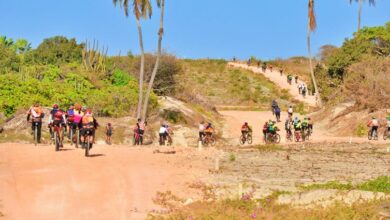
[312,26]
[371,2]
[141,9]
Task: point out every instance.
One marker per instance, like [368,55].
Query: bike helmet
[55,105]
[246,123]
[88,111]
[373,117]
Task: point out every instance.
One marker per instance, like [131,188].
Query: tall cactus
[93,58]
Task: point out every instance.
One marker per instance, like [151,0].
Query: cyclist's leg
[39,129]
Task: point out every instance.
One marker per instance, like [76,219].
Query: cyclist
[36,115]
[374,124]
[287,126]
[109,130]
[88,124]
[137,132]
[297,125]
[270,67]
[274,105]
[245,130]
[163,133]
[296,79]
[272,128]
[289,78]
[77,115]
[169,133]
[277,113]
[209,130]
[290,111]
[70,119]
[265,130]
[142,127]
[57,119]
[305,124]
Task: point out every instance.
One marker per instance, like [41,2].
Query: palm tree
[141,9]
[312,26]
[160,4]
[371,2]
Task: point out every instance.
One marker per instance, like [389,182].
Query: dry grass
[212,82]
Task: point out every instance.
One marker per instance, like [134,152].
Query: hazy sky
[194,28]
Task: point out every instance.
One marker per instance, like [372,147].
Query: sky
[193,28]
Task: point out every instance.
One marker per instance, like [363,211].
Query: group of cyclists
[299,130]
[77,122]
[374,125]
[206,133]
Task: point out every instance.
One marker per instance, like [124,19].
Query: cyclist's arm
[50,119]
[64,118]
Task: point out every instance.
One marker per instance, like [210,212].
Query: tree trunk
[142,69]
[156,65]
[360,13]
[318,97]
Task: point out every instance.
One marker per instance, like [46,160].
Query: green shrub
[361,130]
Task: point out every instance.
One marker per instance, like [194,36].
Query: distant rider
[374,124]
[88,126]
[36,115]
[57,119]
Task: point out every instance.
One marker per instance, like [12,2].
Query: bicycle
[246,138]
[372,135]
[57,136]
[208,139]
[87,141]
[272,138]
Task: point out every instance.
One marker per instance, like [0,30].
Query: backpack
[58,115]
[87,121]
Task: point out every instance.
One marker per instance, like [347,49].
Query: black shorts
[86,131]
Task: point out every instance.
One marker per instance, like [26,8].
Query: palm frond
[312,16]
[158,3]
[371,2]
[123,4]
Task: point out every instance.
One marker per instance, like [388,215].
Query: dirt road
[280,81]
[116,183]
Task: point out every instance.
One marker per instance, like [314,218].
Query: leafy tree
[56,50]
[9,61]
[373,41]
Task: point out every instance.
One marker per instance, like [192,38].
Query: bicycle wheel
[87,147]
[212,141]
[57,141]
[71,136]
[77,138]
[277,138]
[268,138]
[242,140]
[249,139]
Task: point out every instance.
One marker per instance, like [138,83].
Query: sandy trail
[280,81]
[116,183]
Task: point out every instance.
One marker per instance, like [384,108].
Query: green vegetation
[232,157]
[53,73]
[361,130]
[380,184]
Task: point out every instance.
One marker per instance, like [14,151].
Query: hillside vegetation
[212,82]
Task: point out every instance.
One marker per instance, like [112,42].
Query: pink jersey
[78,116]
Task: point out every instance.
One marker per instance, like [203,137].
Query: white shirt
[290,110]
[163,130]
[375,122]
[201,127]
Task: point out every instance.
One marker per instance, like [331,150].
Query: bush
[56,50]
[164,83]
[361,130]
